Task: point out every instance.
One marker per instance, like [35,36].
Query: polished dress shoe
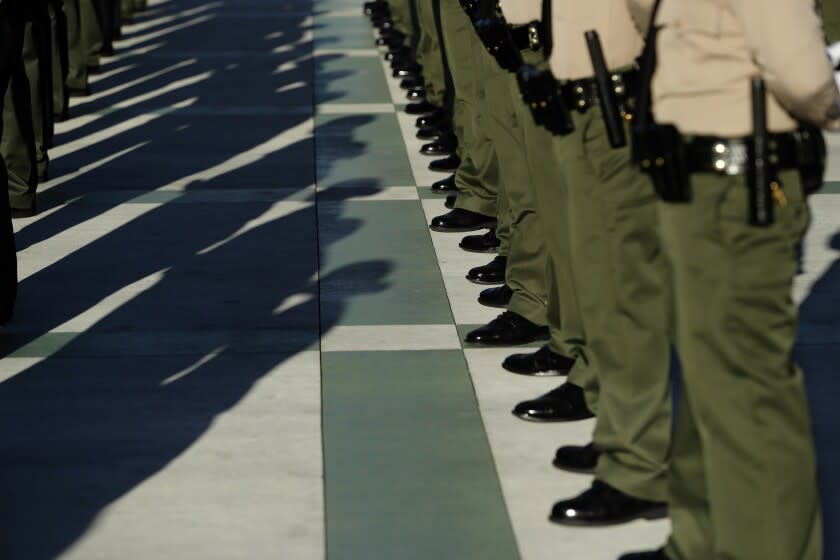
[445,185]
[576,458]
[401,52]
[390,38]
[563,404]
[497,296]
[461,220]
[446,145]
[485,243]
[507,329]
[416,94]
[604,505]
[434,132]
[446,164]
[542,363]
[411,83]
[450,201]
[490,273]
[377,6]
[412,69]
[434,118]
[648,555]
[419,108]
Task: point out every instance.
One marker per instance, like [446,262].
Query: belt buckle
[730,157]
[534,36]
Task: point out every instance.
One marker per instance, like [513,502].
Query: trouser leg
[91,33]
[77,74]
[478,176]
[524,272]
[11,44]
[18,145]
[752,492]
[621,276]
[429,52]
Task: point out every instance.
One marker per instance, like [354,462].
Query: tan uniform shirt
[570,19]
[709,50]
[521,11]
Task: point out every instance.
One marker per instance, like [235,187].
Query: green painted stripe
[101,344]
[380,267]
[831,187]
[361,150]
[343,33]
[409,472]
[350,79]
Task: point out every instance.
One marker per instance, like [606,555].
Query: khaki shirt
[521,11]
[570,19]
[708,51]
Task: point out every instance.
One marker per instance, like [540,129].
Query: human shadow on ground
[145,333]
[818,352]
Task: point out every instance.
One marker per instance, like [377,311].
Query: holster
[660,151]
[811,155]
[496,36]
[541,94]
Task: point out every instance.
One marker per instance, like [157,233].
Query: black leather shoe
[403,61]
[445,185]
[450,201]
[432,119]
[434,132]
[542,363]
[604,505]
[563,404]
[498,296]
[441,147]
[390,38]
[576,458]
[461,220]
[376,6]
[446,165]
[411,83]
[507,329]
[649,555]
[486,243]
[397,53]
[406,71]
[490,273]
[419,108]
[416,94]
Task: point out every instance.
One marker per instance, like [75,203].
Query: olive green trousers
[519,226]
[831,20]
[429,53]
[91,30]
[401,16]
[743,473]
[22,145]
[77,57]
[477,178]
[621,280]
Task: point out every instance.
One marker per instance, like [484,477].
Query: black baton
[606,92]
[760,172]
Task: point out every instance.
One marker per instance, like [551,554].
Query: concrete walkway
[237,339]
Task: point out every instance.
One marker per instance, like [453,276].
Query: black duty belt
[731,156]
[581,95]
[531,36]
